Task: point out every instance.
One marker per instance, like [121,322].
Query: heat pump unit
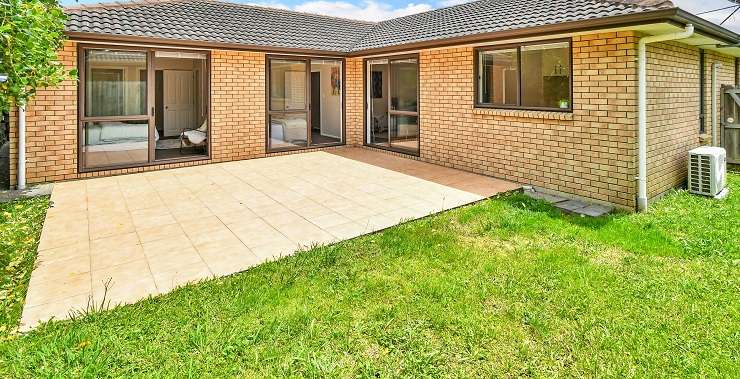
[707,171]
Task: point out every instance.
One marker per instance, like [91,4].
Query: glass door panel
[115,129]
[377,93]
[288,113]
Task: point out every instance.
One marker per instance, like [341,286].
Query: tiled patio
[147,233]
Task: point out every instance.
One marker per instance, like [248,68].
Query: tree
[30,34]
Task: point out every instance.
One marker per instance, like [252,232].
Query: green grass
[20,228]
[506,287]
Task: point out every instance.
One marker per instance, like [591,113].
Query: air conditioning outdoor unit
[707,171]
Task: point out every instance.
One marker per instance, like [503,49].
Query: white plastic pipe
[21,147]
[715,95]
[642,200]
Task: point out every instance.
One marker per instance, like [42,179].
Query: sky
[376,10]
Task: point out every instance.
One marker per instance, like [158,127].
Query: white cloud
[449,3]
[369,10]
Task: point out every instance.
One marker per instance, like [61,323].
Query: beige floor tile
[166,245]
[125,283]
[169,280]
[115,250]
[347,230]
[47,291]
[152,217]
[61,269]
[277,248]
[59,310]
[236,217]
[202,225]
[229,261]
[76,250]
[173,260]
[216,242]
[160,232]
[328,220]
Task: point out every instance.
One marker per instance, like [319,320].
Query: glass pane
[498,77]
[405,132]
[377,132]
[326,101]
[288,130]
[181,104]
[115,83]
[109,143]
[404,88]
[546,75]
[287,85]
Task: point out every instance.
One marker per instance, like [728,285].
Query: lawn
[20,228]
[505,287]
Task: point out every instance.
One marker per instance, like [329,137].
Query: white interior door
[179,102]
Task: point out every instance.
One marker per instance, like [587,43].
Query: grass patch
[506,287]
[20,228]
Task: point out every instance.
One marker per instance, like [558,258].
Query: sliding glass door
[304,102]
[393,101]
[139,106]
[115,122]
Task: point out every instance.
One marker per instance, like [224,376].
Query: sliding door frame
[306,59]
[366,95]
[150,107]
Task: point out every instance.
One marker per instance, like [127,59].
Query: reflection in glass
[498,77]
[109,143]
[378,89]
[546,75]
[115,83]
[288,130]
[326,101]
[287,85]
[405,133]
[404,86]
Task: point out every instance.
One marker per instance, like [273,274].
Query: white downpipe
[642,201]
[715,68]
[21,147]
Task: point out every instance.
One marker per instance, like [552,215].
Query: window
[304,103]
[141,106]
[528,76]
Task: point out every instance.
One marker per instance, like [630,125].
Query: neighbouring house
[541,92]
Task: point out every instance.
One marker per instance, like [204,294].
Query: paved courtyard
[145,234]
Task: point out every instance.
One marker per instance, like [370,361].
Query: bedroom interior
[119,89]
[305,102]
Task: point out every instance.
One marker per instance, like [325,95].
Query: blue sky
[375,10]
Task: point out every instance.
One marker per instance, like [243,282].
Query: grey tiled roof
[487,16]
[215,21]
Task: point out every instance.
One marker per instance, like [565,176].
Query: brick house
[539,92]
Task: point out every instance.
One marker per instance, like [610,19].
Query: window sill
[546,115]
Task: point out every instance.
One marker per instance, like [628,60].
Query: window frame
[518,46]
[150,115]
[306,59]
[366,100]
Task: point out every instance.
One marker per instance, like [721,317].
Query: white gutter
[21,147]
[642,201]
[715,95]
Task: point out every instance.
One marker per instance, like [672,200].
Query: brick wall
[589,153]
[673,109]
[51,130]
[237,120]
[355,98]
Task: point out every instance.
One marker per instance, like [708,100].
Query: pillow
[204,128]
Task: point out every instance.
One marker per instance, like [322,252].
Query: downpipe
[715,136]
[21,147]
[642,200]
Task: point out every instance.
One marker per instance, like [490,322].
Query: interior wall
[331,105]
